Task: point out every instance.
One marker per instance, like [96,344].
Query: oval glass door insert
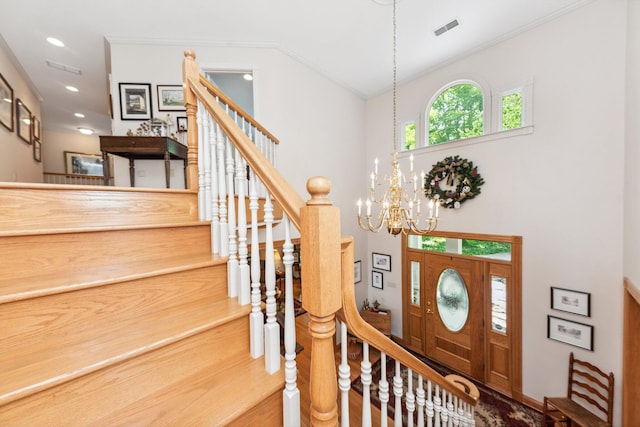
[452,299]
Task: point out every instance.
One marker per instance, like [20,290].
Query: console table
[143,148]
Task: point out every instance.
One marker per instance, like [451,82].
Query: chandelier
[401,204]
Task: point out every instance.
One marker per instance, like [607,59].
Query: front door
[453,294]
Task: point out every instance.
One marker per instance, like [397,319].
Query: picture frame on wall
[170,98]
[23,121]
[381,261]
[571,301]
[83,164]
[36,129]
[135,101]
[376,280]
[6,104]
[357,272]
[37,150]
[570,332]
[181,122]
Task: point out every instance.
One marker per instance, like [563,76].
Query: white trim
[524,130]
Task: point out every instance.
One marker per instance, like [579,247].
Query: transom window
[457,113]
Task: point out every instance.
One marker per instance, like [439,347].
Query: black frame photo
[37,150]
[571,301]
[36,128]
[83,164]
[135,101]
[377,280]
[23,121]
[381,261]
[357,272]
[170,98]
[181,123]
[6,104]
[570,332]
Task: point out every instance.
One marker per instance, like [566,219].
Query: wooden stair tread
[60,359]
[39,285]
[209,397]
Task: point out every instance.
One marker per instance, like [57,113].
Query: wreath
[453,181]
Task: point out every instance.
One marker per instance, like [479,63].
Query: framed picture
[182,124]
[376,279]
[135,101]
[575,302]
[381,261]
[37,150]
[6,104]
[170,98]
[569,332]
[23,121]
[36,129]
[357,272]
[83,164]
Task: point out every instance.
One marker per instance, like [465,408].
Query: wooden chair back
[592,385]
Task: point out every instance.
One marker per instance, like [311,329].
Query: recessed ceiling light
[72,88]
[85,131]
[79,115]
[248,76]
[54,41]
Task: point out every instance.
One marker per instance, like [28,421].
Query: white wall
[319,124]
[632,149]
[560,187]
[59,142]
[16,156]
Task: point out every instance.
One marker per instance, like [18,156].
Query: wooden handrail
[284,194]
[215,91]
[361,329]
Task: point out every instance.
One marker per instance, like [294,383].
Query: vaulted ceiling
[349,41]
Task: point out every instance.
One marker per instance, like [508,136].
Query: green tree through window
[410,136]
[512,110]
[457,113]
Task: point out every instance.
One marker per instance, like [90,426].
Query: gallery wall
[560,187]
[17,163]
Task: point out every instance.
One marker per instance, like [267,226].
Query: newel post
[190,70]
[321,284]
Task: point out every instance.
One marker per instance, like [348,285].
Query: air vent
[63,67]
[451,25]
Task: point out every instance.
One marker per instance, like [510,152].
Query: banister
[286,196]
[215,91]
[361,329]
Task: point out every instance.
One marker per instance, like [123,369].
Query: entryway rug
[493,410]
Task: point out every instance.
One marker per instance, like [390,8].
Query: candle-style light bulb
[359,207]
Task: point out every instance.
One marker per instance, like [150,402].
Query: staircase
[113,311]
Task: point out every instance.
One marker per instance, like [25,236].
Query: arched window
[456,113]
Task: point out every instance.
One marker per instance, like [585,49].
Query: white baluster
[429,405]
[445,409]
[244,281]
[454,413]
[215,203]
[383,390]
[256,317]
[222,194]
[344,375]
[365,377]
[291,394]
[271,328]
[420,401]
[410,399]
[471,418]
[202,155]
[232,263]
[397,392]
[437,404]
[461,415]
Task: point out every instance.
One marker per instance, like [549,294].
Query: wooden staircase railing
[327,276]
